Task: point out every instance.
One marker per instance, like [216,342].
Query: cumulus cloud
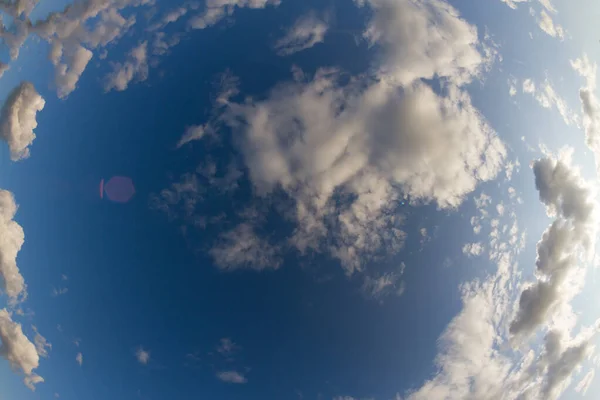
[12,238]
[561,362]
[475,359]
[364,142]
[143,356]
[415,51]
[79,359]
[232,377]
[346,153]
[67,73]
[136,67]
[18,119]
[216,10]
[306,32]
[20,352]
[568,239]
[590,104]
[242,247]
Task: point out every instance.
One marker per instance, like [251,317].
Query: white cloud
[18,350]
[413,50]
[143,356]
[585,383]
[306,32]
[475,360]
[194,132]
[513,3]
[136,67]
[170,17]
[378,141]
[59,292]
[242,248]
[79,359]
[590,104]
[68,72]
[548,5]
[227,347]
[473,249]
[216,10]
[232,377]
[547,25]
[512,87]
[546,96]
[12,238]
[436,148]
[570,237]
[72,34]
[41,344]
[384,284]
[3,68]
[161,43]
[18,119]
[18,8]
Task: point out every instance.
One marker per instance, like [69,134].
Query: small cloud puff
[143,356]
[232,377]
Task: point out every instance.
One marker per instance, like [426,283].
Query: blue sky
[344,200]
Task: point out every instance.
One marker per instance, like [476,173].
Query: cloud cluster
[20,352]
[12,238]
[473,249]
[306,32]
[570,238]
[475,360]
[346,152]
[136,67]
[18,119]
[72,35]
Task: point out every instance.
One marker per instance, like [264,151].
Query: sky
[285,199]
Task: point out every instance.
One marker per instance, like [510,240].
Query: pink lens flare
[102,188]
[119,189]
